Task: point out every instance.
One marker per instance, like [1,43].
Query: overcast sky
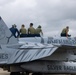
[52,15]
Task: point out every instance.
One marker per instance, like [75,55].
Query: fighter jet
[36,55]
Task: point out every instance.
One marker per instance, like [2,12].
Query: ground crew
[38,31]
[65,31]
[23,31]
[14,31]
[31,30]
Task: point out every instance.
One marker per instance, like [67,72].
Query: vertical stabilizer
[6,36]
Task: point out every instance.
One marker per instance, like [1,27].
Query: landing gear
[24,73]
[18,73]
[15,73]
[27,73]
[37,74]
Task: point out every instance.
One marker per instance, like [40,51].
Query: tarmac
[4,72]
[8,73]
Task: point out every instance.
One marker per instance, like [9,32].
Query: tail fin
[5,34]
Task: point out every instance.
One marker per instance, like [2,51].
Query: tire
[37,74]
[15,73]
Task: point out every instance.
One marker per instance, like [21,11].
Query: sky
[52,15]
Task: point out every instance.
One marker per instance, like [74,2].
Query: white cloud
[5,2]
[53,15]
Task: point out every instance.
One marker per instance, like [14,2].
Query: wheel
[24,73]
[27,73]
[15,73]
[37,74]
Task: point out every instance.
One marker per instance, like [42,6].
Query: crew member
[23,31]
[31,30]
[65,31]
[38,31]
[14,31]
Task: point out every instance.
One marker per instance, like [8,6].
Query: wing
[31,52]
[26,54]
[37,51]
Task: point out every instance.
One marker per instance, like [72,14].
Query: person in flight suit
[14,31]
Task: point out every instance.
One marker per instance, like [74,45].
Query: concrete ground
[8,73]
[4,72]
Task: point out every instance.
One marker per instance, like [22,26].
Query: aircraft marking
[30,54]
[61,68]
[3,56]
[62,41]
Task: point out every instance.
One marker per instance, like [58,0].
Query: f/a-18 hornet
[36,55]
